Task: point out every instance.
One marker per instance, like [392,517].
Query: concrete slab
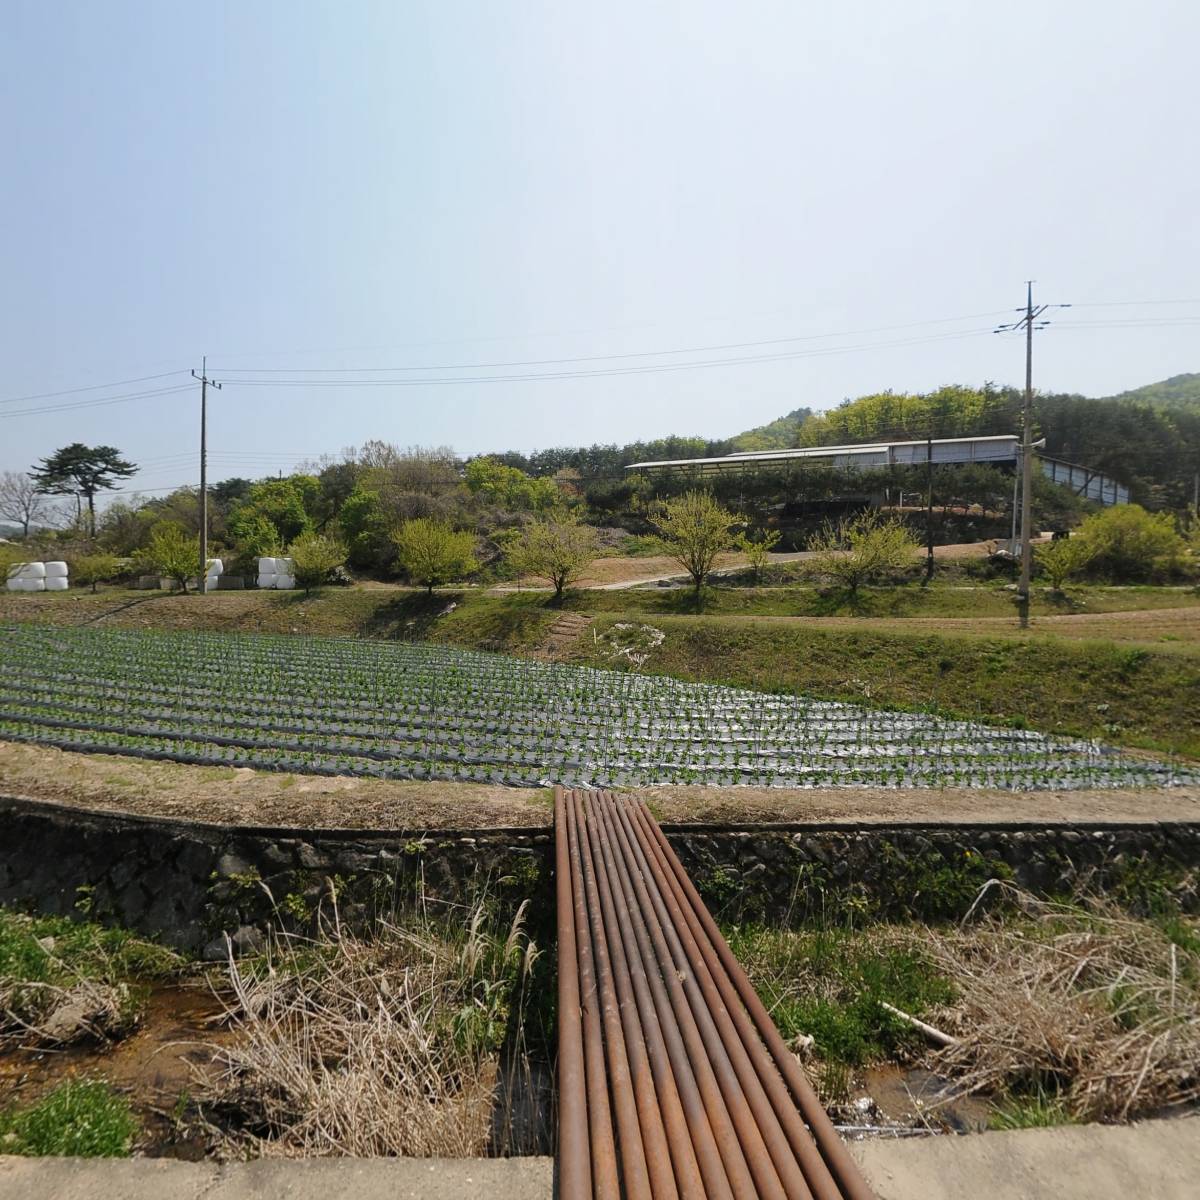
[1156,1160]
[313,1179]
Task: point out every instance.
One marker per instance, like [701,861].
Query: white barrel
[56,570]
[266,566]
[34,570]
[285,583]
[215,567]
[266,581]
[56,583]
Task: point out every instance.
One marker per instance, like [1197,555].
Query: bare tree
[20,500]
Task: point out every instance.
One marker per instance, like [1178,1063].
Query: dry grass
[386,1046]
[1099,1009]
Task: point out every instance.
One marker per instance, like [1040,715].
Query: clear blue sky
[353,184]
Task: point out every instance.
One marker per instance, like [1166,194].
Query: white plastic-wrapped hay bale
[56,570]
[33,585]
[266,581]
[285,583]
[14,583]
[215,567]
[56,583]
[266,566]
[33,570]
[285,566]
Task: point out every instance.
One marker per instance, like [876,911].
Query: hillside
[1180,391]
[1148,438]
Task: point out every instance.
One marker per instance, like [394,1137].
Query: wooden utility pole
[1029,322]
[929,509]
[205,383]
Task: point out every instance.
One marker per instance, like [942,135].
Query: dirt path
[242,796]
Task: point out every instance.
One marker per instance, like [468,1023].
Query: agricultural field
[430,712]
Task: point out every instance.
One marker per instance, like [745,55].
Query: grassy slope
[1127,694]
[1130,693]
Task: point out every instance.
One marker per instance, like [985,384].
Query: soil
[155,1067]
[243,796]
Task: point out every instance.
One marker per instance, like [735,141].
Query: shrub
[315,557]
[172,553]
[1131,545]
[433,552]
[94,569]
[559,550]
[695,528]
[862,548]
[1064,559]
[758,549]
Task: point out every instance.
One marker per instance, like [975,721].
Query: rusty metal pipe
[648,981]
[765,1148]
[841,1165]
[706,995]
[665,1133]
[816,1172]
[605,1181]
[635,1176]
[725,1105]
[574,1157]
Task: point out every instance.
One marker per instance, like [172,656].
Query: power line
[553,362]
[95,387]
[101,403]
[645,369]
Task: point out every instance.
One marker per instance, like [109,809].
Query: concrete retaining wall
[190,883]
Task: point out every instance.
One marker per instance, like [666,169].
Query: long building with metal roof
[994,450]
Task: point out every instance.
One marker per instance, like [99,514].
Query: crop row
[394,710]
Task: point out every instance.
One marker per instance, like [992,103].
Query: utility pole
[1029,322]
[929,509]
[205,383]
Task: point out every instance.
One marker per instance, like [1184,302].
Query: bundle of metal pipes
[673,1080]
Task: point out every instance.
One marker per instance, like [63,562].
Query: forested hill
[1180,391]
[1148,438]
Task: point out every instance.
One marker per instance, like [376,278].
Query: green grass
[82,1118]
[905,600]
[828,984]
[58,952]
[1130,696]
[1036,1110]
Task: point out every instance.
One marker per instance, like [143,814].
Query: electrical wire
[101,403]
[553,362]
[95,387]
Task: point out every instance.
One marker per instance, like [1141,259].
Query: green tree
[758,549]
[862,548]
[1131,545]
[289,504]
[364,527]
[172,553]
[256,536]
[432,552]
[82,471]
[510,488]
[95,568]
[695,528]
[315,556]
[558,550]
[1063,559]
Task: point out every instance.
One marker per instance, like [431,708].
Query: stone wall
[191,884]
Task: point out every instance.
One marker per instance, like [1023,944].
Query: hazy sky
[356,185]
